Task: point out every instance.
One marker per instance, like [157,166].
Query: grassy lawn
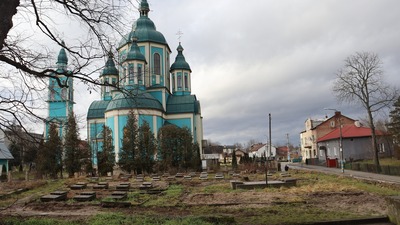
[383,162]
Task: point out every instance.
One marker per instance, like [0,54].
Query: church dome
[142,100]
[110,68]
[134,53]
[96,109]
[62,56]
[144,28]
[180,61]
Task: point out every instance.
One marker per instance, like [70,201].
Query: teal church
[146,83]
[60,98]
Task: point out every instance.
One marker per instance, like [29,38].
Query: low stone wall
[394,209]
[261,184]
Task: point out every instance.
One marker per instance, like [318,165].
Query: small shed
[5,155]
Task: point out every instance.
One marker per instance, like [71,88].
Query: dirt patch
[211,195]
[357,202]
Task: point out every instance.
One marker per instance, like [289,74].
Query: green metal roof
[141,100]
[97,109]
[183,104]
[110,68]
[62,57]
[144,29]
[180,62]
[134,53]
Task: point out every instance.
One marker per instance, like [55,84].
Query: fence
[371,168]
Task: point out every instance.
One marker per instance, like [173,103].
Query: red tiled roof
[349,131]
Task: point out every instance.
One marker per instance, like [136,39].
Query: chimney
[338,114]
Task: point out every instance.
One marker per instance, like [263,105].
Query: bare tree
[361,81]
[26,30]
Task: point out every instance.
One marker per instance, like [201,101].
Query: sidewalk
[349,173]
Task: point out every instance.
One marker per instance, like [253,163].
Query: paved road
[350,173]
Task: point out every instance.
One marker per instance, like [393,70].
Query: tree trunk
[374,143]
[8,8]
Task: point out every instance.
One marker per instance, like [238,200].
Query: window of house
[381,147]
[186,82]
[157,64]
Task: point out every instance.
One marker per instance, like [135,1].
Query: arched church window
[179,82]
[186,83]
[124,73]
[52,94]
[173,81]
[106,85]
[157,64]
[64,93]
[139,74]
[131,73]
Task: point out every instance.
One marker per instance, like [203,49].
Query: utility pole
[288,150]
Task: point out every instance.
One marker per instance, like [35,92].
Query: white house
[259,150]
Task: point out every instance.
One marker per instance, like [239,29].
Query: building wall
[309,137]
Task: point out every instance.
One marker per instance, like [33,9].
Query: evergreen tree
[167,147]
[176,149]
[16,151]
[86,159]
[49,160]
[186,146]
[73,155]
[147,148]
[128,151]
[234,160]
[394,125]
[196,162]
[106,157]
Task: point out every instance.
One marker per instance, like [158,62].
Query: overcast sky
[255,57]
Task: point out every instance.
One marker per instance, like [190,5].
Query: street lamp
[338,119]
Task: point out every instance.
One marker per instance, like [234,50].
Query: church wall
[160,123]
[110,123]
[57,109]
[117,120]
[148,119]
[182,120]
[95,128]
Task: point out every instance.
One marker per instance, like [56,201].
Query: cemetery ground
[184,200]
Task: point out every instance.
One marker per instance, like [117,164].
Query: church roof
[97,109]
[180,61]
[183,104]
[110,68]
[62,56]
[134,53]
[144,28]
[141,100]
